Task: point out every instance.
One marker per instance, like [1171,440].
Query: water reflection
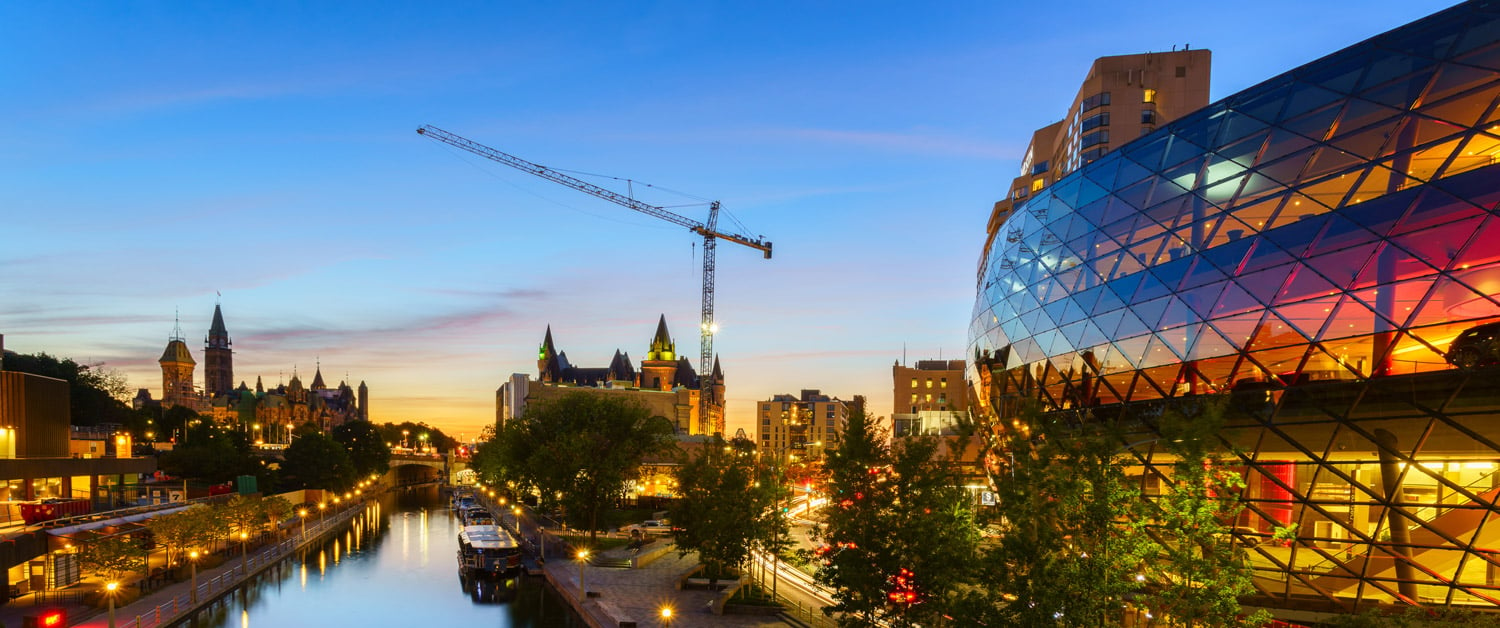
[395,566]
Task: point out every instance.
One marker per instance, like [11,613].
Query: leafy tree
[1072,541]
[366,447]
[314,460]
[726,505]
[241,514]
[111,558]
[212,455]
[95,394]
[577,450]
[276,510]
[1205,571]
[900,522]
[193,528]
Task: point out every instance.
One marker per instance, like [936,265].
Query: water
[395,566]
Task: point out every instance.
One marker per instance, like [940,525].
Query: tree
[314,460]
[366,447]
[1071,532]
[577,450]
[212,455]
[392,433]
[95,394]
[1205,571]
[112,557]
[192,528]
[276,510]
[897,530]
[726,507]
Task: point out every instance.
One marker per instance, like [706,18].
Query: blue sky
[154,154]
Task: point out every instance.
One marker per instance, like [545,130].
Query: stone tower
[548,366]
[659,369]
[177,366]
[218,359]
[715,400]
[364,401]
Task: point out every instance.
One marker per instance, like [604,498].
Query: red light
[52,618]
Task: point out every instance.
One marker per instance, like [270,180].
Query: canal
[394,566]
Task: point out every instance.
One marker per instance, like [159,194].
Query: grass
[752,595]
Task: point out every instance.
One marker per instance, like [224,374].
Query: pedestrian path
[177,600]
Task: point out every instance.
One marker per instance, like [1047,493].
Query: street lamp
[109,592]
[666,616]
[321,507]
[244,560]
[302,514]
[193,562]
[583,556]
[404,441]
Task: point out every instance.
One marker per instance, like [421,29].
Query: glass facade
[1324,249]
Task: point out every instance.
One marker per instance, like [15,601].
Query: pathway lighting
[244,560]
[109,592]
[583,556]
[193,562]
[302,514]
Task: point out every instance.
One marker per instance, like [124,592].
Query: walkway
[175,601]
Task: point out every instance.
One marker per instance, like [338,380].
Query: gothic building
[665,383]
[268,415]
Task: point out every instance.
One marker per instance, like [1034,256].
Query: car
[1476,346]
[650,526]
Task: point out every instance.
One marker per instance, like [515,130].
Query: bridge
[407,467]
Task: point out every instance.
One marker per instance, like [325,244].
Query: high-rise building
[927,398]
[1322,252]
[810,422]
[1122,97]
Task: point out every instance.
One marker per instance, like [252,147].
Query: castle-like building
[665,383]
[269,415]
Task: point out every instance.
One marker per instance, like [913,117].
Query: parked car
[1476,346]
[656,527]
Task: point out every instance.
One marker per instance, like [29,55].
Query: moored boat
[488,549]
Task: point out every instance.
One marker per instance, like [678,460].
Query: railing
[803,613]
[171,611]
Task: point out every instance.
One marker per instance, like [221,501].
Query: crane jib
[708,231]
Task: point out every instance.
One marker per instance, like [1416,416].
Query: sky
[159,157]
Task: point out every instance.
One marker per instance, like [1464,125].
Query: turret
[659,369]
[218,358]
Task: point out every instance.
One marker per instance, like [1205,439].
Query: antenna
[177,324]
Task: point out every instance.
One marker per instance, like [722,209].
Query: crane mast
[709,231]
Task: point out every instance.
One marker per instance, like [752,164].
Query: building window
[929,382]
[766,407]
[914,382]
[766,421]
[1039,168]
[944,384]
[914,397]
[1093,153]
[1020,194]
[914,408]
[929,398]
[1148,117]
[1181,71]
[1094,121]
[943,398]
[1148,95]
[830,422]
[1095,101]
[1094,139]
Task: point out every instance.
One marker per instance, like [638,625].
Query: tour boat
[487,549]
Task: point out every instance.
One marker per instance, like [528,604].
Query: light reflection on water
[395,566]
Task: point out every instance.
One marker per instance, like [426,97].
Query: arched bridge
[407,468]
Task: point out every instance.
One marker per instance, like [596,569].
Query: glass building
[1324,249]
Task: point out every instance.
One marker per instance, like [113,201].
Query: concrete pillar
[1390,479]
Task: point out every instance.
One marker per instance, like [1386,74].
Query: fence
[803,613]
[180,605]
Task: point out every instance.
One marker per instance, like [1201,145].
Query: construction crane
[709,230]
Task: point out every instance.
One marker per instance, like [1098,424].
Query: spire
[547,350]
[317,383]
[662,347]
[718,374]
[217,328]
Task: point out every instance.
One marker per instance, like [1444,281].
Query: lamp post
[244,559]
[109,592]
[302,514]
[666,616]
[321,507]
[404,441]
[583,556]
[193,566]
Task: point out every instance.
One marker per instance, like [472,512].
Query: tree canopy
[578,451]
[366,447]
[315,460]
[726,505]
[95,394]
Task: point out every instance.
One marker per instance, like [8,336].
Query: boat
[476,516]
[462,498]
[487,549]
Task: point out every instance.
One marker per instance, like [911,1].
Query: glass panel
[1236,300]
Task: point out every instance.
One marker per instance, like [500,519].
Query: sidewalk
[169,602]
[640,594]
